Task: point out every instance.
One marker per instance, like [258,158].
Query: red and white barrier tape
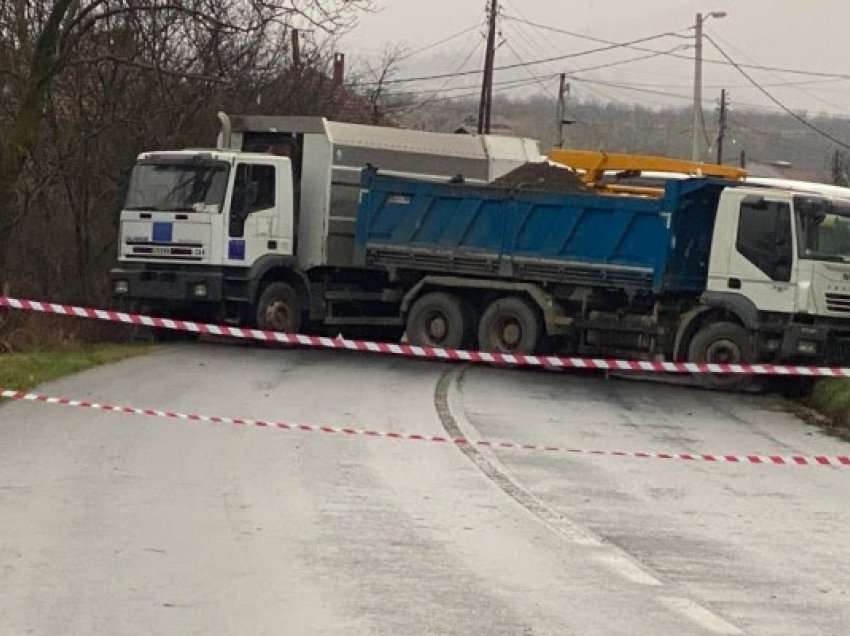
[412,351]
[776,460]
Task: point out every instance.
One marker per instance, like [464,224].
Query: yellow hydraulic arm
[593,164]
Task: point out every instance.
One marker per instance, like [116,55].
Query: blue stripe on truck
[162,232]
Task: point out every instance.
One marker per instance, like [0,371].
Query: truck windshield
[824,229]
[185,186]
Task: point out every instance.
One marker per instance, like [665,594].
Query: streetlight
[698,121]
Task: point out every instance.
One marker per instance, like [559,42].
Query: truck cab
[189,210]
[780,264]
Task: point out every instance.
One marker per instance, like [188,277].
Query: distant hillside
[765,137]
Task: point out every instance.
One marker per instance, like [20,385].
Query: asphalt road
[118,524]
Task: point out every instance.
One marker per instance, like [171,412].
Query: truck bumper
[820,343]
[175,285]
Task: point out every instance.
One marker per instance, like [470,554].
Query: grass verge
[22,371]
[831,398]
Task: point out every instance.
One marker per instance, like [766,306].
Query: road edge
[606,553]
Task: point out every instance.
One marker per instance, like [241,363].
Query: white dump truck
[205,231]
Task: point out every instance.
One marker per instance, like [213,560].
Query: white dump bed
[332,154]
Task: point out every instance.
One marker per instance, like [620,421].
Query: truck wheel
[510,325]
[723,343]
[438,319]
[279,309]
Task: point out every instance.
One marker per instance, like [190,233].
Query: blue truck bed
[637,243]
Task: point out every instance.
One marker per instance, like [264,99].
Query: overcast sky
[802,34]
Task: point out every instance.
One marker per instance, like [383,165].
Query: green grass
[22,371]
[831,397]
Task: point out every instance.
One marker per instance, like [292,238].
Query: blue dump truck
[519,270]
[507,256]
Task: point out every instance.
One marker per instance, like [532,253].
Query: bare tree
[103,78]
[377,78]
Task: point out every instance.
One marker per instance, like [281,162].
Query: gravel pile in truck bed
[542,177]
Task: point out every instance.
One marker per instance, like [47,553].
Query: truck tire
[438,319]
[279,309]
[510,325]
[722,342]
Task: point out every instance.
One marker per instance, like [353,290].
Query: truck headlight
[807,347]
[199,290]
[121,287]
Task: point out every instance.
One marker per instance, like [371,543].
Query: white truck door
[260,211]
[761,261]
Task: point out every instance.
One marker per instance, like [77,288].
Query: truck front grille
[838,302]
[166,251]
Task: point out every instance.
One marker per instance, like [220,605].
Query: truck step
[385,295]
[383,321]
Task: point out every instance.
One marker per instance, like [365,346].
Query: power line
[586,80]
[433,45]
[441,88]
[530,45]
[461,87]
[547,41]
[627,86]
[631,45]
[801,90]
[629,60]
[571,74]
[462,64]
[770,96]
[774,138]
[729,86]
[641,88]
[535,46]
[536,78]
[505,67]
[514,84]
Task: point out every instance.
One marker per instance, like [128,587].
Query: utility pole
[698,117]
[839,169]
[697,120]
[721,129]
[296,49]
[485,107]
[563,91]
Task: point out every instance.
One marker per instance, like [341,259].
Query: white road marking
[626,568]
[698,614]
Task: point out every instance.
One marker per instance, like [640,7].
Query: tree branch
[147,67]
